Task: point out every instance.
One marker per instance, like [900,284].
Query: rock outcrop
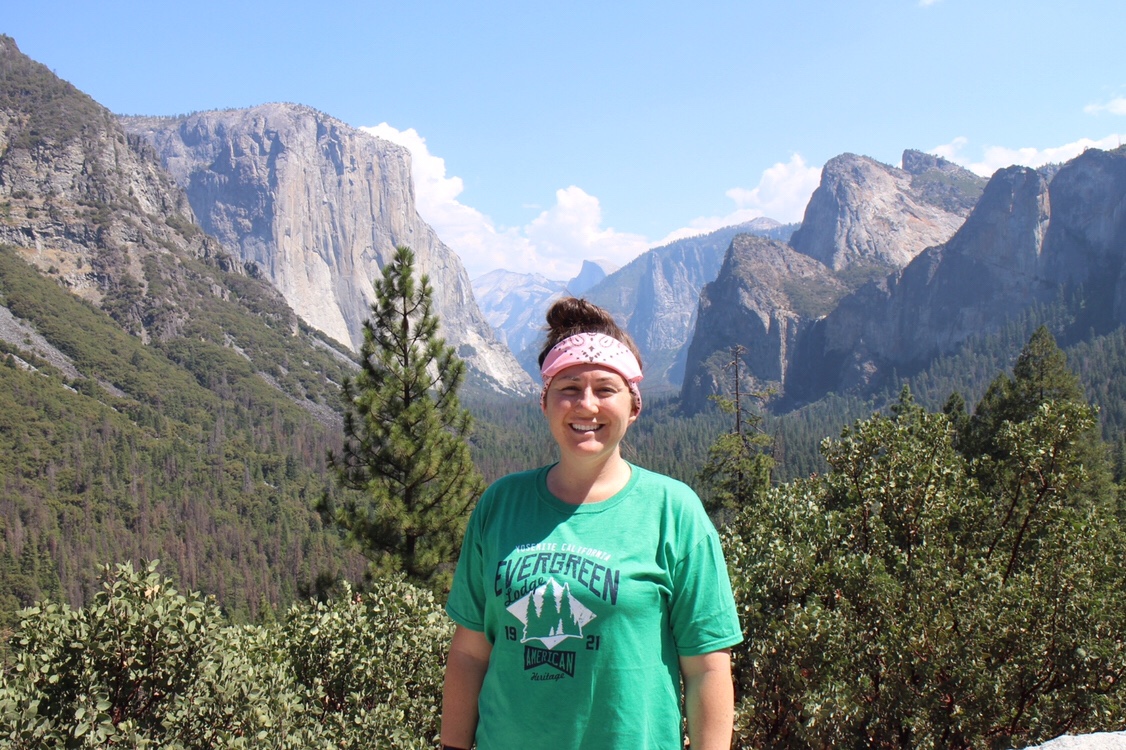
[656,295]
[764,297]
[318,207]
[873,218]
[88,205]
[1027,242]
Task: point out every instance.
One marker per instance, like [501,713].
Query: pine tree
[1040,379]
[405,436]
[738,466]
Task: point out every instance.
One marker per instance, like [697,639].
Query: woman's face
[589,408]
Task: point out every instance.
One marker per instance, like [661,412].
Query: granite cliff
[871,218]
[317,207]
[1028,242]
[865,219]
[764,297]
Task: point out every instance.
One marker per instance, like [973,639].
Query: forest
[950,578]
[955,543]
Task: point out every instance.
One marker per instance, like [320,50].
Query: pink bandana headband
[592,349]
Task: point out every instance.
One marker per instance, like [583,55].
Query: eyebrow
[599,381]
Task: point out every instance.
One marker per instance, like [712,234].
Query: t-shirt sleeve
[466,603]
[702,611]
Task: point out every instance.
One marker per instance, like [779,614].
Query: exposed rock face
[870,216]
[318,207]
[88,204]
[656,295]
[592,272]
[764,297]
[1025,243]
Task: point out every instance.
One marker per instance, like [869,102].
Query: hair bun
[571,315]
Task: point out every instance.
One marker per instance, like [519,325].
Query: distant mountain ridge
[515,303]
[864,220]
[1030,241]
[1033,238]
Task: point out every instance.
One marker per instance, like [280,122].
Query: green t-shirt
[587,608]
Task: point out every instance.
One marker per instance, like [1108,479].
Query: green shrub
[144,666]
[892,603]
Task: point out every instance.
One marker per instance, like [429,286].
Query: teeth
[585,427]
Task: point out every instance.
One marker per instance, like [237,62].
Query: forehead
[589,373]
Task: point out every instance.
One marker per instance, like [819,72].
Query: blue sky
[545,133]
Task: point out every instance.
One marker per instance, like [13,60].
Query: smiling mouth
[586,427]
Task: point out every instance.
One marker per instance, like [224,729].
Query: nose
[587,400]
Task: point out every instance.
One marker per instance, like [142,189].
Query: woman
[588,590]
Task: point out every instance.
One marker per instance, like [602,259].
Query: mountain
[864,220]
[1029,242]
[317,208]
[156,401]
[871,218]
[764,297]
[592,272]
[655,296]
[514,304]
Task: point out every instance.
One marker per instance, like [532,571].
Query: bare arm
[709,699]
[465,670]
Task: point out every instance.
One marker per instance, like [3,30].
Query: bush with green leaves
[895,603]
[144,666]
[369,666]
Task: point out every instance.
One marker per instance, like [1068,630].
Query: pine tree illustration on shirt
[551,614]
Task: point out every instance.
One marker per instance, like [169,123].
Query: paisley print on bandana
[592,349]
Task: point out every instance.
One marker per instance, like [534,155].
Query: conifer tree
[405,436]
[1040,377]
[738,466]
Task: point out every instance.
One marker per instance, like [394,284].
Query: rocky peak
[592,272]
[872,218]
[990,270]
[86,203]
[319,207]
[764,296]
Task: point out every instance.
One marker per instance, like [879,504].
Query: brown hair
[571,315]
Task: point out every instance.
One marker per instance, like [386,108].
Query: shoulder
[676,499]
[509,488]
[674,491]
[519,480]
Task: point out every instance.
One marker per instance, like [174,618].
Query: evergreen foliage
[144,666]
[405,434]
[181,449]
[738,469]
[916,597]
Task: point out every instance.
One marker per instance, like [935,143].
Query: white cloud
[781,194]
[928,3]
[554,244]
[1116,106]
[992,158]
[560,237]
[571,230]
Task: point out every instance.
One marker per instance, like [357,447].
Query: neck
[577,482]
